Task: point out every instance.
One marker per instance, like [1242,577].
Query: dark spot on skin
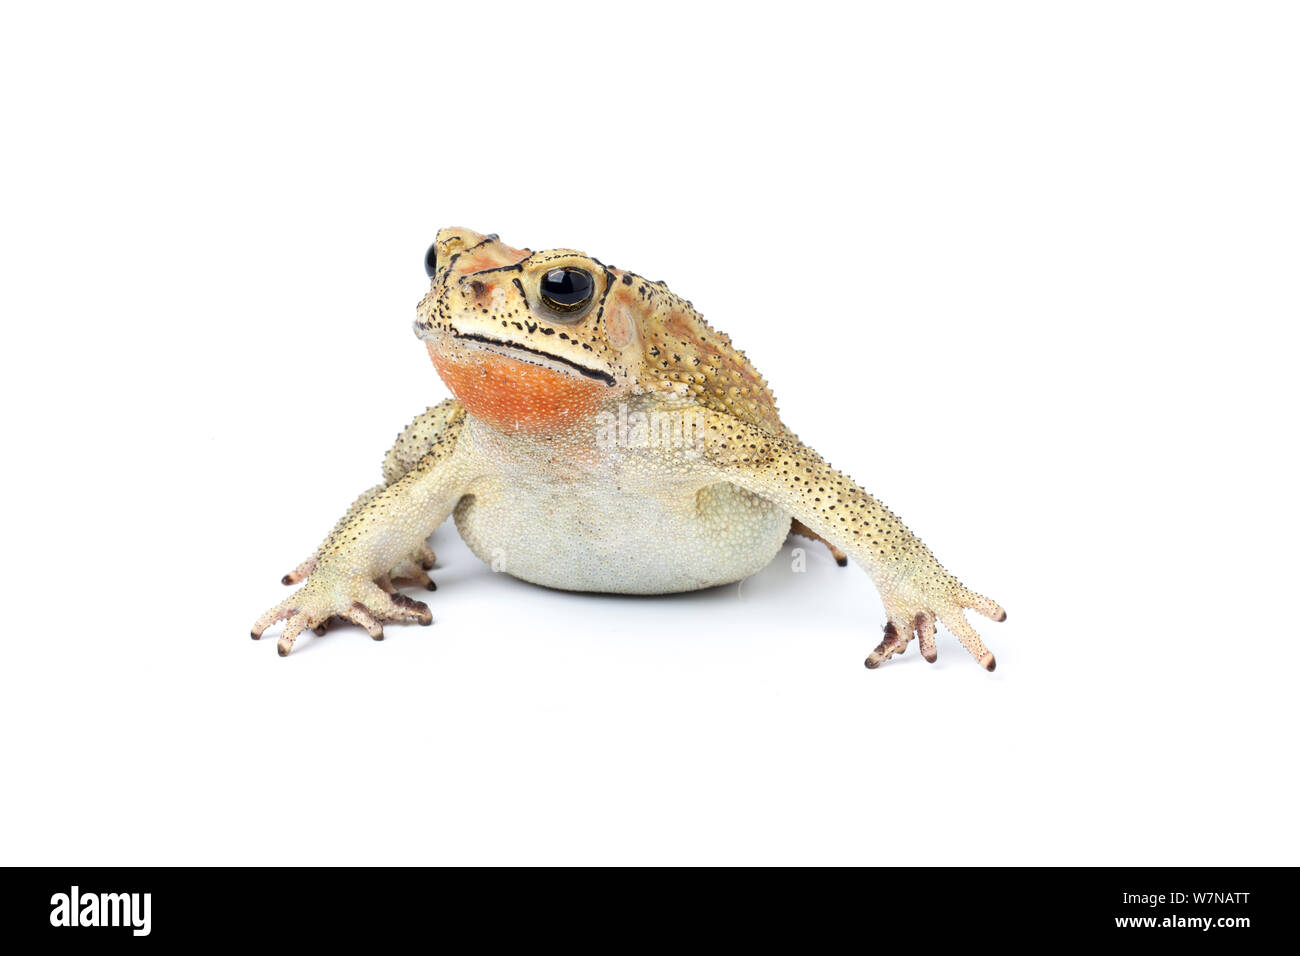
[478,288]
[627,280]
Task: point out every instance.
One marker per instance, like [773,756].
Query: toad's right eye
[567,290]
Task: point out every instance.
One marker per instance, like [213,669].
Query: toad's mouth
[532,356]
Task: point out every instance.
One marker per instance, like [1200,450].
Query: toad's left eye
[566,290]
[431,260]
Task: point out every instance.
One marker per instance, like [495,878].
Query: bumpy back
[681,347]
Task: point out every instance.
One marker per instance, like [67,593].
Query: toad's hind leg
[801,529]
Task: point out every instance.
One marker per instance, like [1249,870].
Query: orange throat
[515,395]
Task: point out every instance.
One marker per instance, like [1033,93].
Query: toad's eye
[431,260]
[566,290]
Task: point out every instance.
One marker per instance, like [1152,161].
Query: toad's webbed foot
[328,594]
[913,612]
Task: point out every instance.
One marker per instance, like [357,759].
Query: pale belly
[596,534]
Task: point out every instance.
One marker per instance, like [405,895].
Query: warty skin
[542,351]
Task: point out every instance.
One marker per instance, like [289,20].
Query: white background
[1027,271]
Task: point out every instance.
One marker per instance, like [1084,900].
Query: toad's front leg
[916,589]
[433,427]
[379,539]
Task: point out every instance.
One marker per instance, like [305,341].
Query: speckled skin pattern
[539,459]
